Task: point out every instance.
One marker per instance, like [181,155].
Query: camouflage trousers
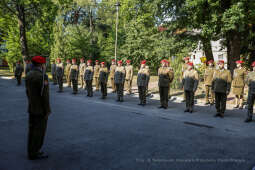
[75,85]
[250,101]
[60,83]
[128,85]
[36,132]
[97,82]
[163,92]
[68,80]
[113,85]
[209,94]
[189,99]
[220,102]
[103,89]
[142,94]
[120,91]
[82,81]
[89,88]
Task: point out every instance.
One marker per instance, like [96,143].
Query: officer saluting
[190,83]
[119,80]
[37,90]
[103,78]
[142,82]
[88,77]
[74,70]
[60,74]
[18,72]
[251,93]
[221,86]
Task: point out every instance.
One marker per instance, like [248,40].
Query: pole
[117,20]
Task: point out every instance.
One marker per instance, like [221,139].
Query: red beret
[102,62]
[210,61]
[186,58]
[143,62]
[89,61]
[239,62]
[120,62]
[58,59]
[73,60]
[128,61]
[221,62]
[97,61]
[190,64]
[82,59]
[39,59]
[253,64]
[113,60]
[67,60]
[164,61]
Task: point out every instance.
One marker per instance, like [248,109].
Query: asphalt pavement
[94,134]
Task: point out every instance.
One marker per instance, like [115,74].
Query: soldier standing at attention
[142,82]
[28,66]
[166,76]
[190,83]
[74,71]
[129,76]
[82,68]
[96,74]
[88,77]
[60,74]
[238,84]
[103,78]
[112,71]
[37,90]
[208,76]
[18,72]
[169,91]
[67,72]
[119,80]
[53,72]
[221,86]
[184,68]
[251,93]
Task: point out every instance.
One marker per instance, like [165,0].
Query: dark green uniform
[103,78]
[142,83]
[37,92]
[166,76]
[74,72]
[18,73]
[60,75]
[190,83]
[221,86]
[119,80]
[251,95]
[28,68]
[88,77]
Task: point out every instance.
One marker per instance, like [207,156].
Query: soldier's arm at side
[229,80]
[45,97]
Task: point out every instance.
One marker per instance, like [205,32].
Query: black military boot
[121,99]
[186,110]
[249,116]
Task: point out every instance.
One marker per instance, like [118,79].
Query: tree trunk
[233,49]
[207,48]
[251,58]
[22,31]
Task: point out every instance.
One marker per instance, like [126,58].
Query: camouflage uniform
[111,75]
[251,95]
[18,73]
[88,77]
[190,84]
[119,80]
[166,76]
[74,70]
[96,76]
[67,73]
[82,68]
[221,86]
[129,78]
[238,84]
[208,77]
[59,75]
[38,109]
[103,78]
[142,83]
[184,68]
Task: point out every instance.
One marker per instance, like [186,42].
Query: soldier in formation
[28,66]
[37,90]
[60,74]
[208,77]
[184,68]
[67,72]
[18,72]
[88,77]
[142,82]
[74,71]
[166,76]
[96,74]
[53,72]
[103,79]
[221,86]
[129,76]
[111,75]
[82,68]
[238,84]
[251,93]
[119,80]
[190,84]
